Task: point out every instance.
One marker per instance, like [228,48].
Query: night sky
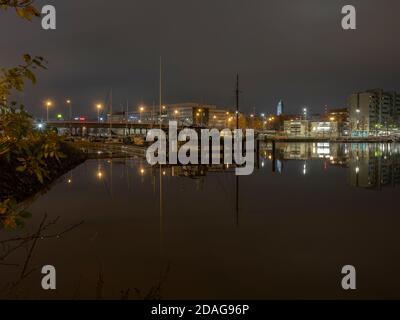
[293,50]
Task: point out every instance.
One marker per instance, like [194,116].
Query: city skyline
[278,57]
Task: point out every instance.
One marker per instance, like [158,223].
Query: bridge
[84,128]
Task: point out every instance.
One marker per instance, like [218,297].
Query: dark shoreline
[22,186]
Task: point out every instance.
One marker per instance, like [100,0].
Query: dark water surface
[303,215]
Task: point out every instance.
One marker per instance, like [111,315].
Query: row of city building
[372,112]
[186,114]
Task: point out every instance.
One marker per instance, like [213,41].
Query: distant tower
[280,108]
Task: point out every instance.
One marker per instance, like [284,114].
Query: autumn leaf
[9,222]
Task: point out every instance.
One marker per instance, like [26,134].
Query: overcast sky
[293,50]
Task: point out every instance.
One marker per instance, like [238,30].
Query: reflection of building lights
[262,164]
[69,181]
[99,174]
[164,173]
[142,171]
[357,169]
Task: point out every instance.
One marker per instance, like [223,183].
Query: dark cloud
[283,49]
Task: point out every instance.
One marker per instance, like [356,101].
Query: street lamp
[176,113]
[358,111]
[305,113]
[141,110]
[48,105]
[99,107]
[69,104]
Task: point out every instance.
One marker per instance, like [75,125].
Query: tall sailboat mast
[237,101]
[161,171]
[111,111]
[237,148]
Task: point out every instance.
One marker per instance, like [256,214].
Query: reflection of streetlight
[98,107]
[48,105]
[99,175]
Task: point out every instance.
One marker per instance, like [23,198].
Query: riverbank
[21,185]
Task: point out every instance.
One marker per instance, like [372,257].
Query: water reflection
[304,213]
[371,166]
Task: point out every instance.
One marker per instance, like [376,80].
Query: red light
[82,119]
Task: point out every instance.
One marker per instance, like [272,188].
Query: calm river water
[303,214]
